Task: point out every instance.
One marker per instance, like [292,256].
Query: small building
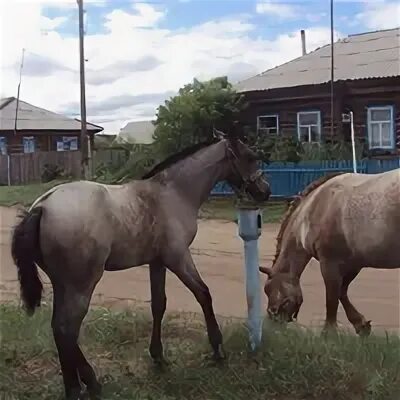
[37,129]
[136,132]
[295,98]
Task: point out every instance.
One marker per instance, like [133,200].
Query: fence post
[353,143]
[8,169]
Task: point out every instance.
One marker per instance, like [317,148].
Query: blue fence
[288,179]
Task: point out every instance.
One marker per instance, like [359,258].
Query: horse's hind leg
[70,305]
[361,325]
[158,306]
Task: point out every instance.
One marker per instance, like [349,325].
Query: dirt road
[218,253]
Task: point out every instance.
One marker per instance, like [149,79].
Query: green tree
[190,116]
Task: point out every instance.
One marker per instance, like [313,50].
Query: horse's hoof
[329,331]
[219,354]
[364,330]
[161,362]
[95,391]
[75,394]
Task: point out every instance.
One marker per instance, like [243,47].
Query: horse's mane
[174,158]
[294,205]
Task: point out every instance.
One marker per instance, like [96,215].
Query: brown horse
[78,230]
[345,221]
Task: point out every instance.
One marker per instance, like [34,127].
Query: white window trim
[265,116]
[369,122]
[60,143]
[5,145]
[318,125]
[33,141]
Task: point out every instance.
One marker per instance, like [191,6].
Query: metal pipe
[303,42]
[250,231]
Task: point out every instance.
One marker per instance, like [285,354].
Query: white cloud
[380,15]
[134,63]
[54,3]
[145,16]
[275,8]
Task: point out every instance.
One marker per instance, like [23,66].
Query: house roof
[34,118]
[140,132]
[361,56]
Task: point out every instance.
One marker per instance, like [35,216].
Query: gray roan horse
[77,230]
[345,221]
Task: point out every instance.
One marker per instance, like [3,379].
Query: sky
[139,53]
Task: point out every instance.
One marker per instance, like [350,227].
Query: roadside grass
[224,209]
[214,208]
[24,195]
[292,364]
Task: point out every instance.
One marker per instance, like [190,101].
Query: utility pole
[85,172]
[332,74]
[18,91]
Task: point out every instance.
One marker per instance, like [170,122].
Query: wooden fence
[22,168]
[288,179]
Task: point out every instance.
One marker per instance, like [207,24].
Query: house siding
[44,141]
[349,96]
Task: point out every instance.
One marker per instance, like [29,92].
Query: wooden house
[295,98]
[36,129]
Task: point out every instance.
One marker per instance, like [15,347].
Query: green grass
[291,364]
[224,208]
[216,208]
[24,195]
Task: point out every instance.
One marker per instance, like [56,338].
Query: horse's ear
[266,270]
[218,134]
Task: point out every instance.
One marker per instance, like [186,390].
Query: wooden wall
[44,141]
[354,95]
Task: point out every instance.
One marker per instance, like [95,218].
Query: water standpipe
[250,225]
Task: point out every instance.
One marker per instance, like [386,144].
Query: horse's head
[284,295]
[245,174]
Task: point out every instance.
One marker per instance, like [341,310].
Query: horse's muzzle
[259,189]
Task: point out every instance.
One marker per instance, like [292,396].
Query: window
[67,143]
[29,144]
[309,126]
[3,145]
[268,124]
[380,127]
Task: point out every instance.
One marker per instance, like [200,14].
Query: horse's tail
[25,251]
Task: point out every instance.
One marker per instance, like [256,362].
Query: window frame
[261,130]
[31,138]
[62,140]
[318,125]
[3,138]
[370,122]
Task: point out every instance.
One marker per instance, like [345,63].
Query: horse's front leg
[158,306]
[184,268]
[333,284]
[361,325]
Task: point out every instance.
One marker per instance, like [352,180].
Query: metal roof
[140,132]
[361,56]
[33,118]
